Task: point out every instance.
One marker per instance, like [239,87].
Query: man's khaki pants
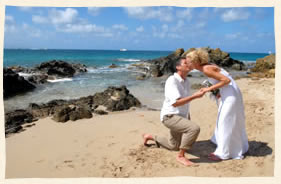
[183,133]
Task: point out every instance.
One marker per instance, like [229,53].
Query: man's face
[185,66]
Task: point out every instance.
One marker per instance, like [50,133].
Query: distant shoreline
[128,50]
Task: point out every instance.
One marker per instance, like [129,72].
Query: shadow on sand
[201,149]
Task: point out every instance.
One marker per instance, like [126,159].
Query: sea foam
[61,80]
[128,59]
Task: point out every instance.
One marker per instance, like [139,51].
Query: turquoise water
[95,58]
[98,77]
[247,57]
[91,58]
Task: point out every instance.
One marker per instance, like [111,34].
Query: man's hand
[204,90]
[198,94]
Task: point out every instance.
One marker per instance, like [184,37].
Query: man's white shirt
[175,88]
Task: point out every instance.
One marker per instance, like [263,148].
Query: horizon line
[268,52]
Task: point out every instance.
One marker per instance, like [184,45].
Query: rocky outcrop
[38,79]
[265,67]
[14,120]
[113,66]
[50,70]
[60,68]
[166,65]
[72,112]
[14,84]
[112,99]
[116,99]
[221,58]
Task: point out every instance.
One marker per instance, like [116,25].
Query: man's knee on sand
[196,129]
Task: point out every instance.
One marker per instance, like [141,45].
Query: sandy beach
[111,145]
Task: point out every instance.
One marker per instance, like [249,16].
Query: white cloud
[39,19]
[25,26]
[120,27]
[174,36]
[80,28]
[162,32]
[10,28]
[162,13]
[9,18]
[180,24]
[235,14]
[140,29]
[106,34]
[94,10]
[233,36]
[63,16]
[25,8]
[31,31]
[262,35]
[165,28]
[185,14]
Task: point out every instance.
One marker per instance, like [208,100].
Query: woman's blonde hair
[199,56]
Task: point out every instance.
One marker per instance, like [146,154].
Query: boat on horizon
[123,49]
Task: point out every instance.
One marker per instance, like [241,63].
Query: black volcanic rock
[14,120]
[116,99]
[112,99]
[166,65]
[220,58]
[60,68]
[14,84]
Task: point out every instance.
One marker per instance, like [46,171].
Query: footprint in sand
[67,161]
[71,166]
[40,161]
[111,144]
[134,131]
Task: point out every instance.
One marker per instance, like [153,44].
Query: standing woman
[230,132]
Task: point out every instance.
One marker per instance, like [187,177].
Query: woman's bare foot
[184,161]
[213,157]
[146,138]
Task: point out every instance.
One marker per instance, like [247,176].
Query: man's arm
[182,101]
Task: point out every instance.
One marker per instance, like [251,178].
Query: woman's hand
[204,90]
[198,94]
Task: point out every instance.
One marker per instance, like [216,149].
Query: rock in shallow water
[14,84]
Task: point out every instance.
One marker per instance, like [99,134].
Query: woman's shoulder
[211,68]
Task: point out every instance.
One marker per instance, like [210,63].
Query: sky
[166,28]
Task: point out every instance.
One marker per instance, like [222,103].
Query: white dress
[230,132]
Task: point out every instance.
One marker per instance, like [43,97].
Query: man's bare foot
[146,138]
[184,161]
[213,157]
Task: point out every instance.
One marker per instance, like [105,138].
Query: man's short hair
[178,62]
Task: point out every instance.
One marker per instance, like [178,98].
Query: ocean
[99,75]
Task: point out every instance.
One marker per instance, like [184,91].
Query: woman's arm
[214,72]
[182,101]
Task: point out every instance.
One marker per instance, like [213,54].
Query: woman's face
[189,63]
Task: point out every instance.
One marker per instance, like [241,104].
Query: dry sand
[111,145]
